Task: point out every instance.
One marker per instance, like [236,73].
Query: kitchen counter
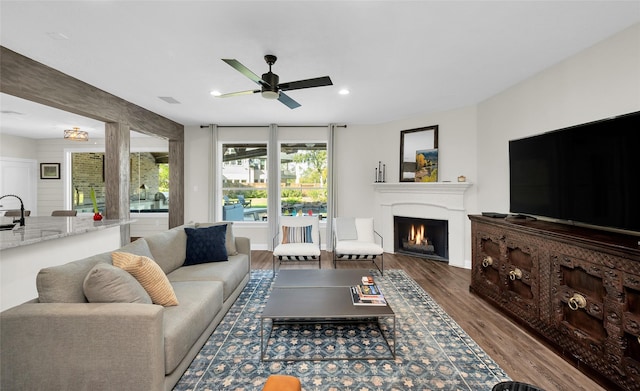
[49,241]
[40,229]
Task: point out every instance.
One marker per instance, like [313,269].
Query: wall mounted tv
[587,174]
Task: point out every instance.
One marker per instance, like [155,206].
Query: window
[149,191]
[303,179]
[244,182]
[87,173]
[149,175]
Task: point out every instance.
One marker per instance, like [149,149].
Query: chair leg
[274,266]
[380,268]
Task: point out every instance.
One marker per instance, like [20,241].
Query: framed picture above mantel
[419,154]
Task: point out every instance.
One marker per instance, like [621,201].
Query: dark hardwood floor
[523,357]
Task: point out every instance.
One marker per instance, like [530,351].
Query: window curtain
[273,183]
[332,190]
[214,184]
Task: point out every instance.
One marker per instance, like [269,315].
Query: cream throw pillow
[149,275]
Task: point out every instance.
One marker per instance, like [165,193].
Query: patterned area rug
[433,352]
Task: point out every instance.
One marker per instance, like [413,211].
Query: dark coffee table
[320,296]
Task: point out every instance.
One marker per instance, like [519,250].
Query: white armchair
[297,240]
[355,239]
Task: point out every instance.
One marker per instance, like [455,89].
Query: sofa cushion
[149,275]
[230,273]
[230,240]
[63,283]
[205,245]
[296,234]
[106,283]
[169,248]
[137,247]
[183,325]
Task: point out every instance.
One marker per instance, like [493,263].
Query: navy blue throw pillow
[206,244]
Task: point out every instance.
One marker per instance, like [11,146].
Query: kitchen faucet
[21,220]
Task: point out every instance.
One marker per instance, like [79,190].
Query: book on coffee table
[358,300]
[369,291]
[367,280]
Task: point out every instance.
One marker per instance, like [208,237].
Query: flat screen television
[587,174]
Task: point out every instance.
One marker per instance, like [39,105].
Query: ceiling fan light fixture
[271,94]
[270,85]
[76,134]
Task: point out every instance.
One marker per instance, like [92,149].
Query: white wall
[17,147]
[599,82]
[197,174]
[51,192]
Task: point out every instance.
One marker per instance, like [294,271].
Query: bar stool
[64,213]
[16,213]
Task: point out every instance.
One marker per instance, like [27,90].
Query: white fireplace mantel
[421,187]
[430,200]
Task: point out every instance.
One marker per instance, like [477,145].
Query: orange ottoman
[282,383]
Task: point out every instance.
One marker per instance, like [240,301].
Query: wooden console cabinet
[576,288]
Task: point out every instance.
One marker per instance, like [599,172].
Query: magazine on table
[357,300]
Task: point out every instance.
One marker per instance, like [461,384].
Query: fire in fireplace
[421,237]
[416,241]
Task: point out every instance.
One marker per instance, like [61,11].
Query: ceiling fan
[270,88]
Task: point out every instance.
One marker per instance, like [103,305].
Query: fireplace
[427,200]
[426,238]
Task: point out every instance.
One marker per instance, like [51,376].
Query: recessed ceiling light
[344,91]
[215,93]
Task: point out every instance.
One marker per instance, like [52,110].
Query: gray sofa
[47,344]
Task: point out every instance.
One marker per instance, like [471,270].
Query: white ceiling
[29,119]
[398,58]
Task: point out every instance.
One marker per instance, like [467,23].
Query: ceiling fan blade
[297,85]
[244,70]
[290,103]
[248,92]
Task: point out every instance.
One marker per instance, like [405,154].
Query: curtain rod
[266,126]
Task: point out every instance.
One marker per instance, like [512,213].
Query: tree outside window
[244,182]
[303,179]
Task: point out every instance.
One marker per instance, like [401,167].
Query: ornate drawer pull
[515,274]
[487,261]
[577,301]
